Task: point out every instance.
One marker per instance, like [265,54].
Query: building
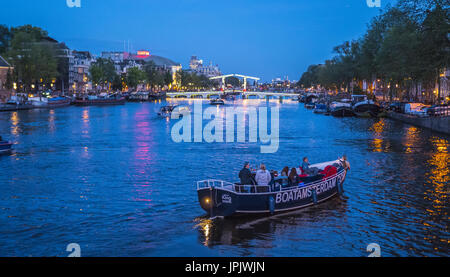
[4,68]
[124,61]
[65,61]
[196,65]
[82,63]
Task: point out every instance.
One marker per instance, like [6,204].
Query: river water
[112,180]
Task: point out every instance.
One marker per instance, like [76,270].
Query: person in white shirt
[263,176]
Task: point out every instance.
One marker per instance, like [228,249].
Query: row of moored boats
[358,105]
[16,103]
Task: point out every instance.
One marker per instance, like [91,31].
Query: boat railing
[210,183]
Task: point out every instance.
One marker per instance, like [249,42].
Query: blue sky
[267,39]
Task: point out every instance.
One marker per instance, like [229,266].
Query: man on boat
[308,170]
[345,162]
[246,175]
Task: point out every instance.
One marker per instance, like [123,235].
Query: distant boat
[15,104]
[156,95]
[101,100]
[321,108]
[217,102]
[363,107]
[53,102]
[5,146]
[311,100]
[166,111]
[310,105]
[341,109]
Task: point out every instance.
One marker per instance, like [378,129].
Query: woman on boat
[285,171]
[293,177]
[263,176]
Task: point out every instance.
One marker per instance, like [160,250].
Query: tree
[234,81]
[405,46]
[135,76]
[168,79]
[33,61]
[5,39]
[435,44]
[102,72]
[9,80]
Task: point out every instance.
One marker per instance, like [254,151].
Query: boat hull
[217,201]
[367,110]
[342,112]
[100,102]
[5,147]
[20,107]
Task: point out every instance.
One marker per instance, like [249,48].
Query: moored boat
[101,100]
[311,100]
[5,146]
[341,109]
[310,105]
[166,111]
[53,102]
[16,103]
[363,107]
[321,108]
[224,199]
[217,102]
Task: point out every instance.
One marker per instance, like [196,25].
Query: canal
[112,180]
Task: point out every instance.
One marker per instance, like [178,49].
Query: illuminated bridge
[245,94]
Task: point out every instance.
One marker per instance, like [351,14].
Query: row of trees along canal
[405,48]
[38,61]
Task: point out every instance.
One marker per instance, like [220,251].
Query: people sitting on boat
[245,175]
[308,170]
[285,171]
[263,176]
[293,177]
[305,164]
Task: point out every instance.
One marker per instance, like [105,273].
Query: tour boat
[341,109]
[5,146]
[102,99]
[363,107]
[223,199]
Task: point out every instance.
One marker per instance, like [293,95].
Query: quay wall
[439,124]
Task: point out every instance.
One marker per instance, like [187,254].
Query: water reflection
[242,231]
[15,123]
[378,143]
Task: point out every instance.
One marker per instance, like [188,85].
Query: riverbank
[439,124]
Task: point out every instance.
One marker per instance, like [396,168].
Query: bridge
[223,77]
[245,94]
